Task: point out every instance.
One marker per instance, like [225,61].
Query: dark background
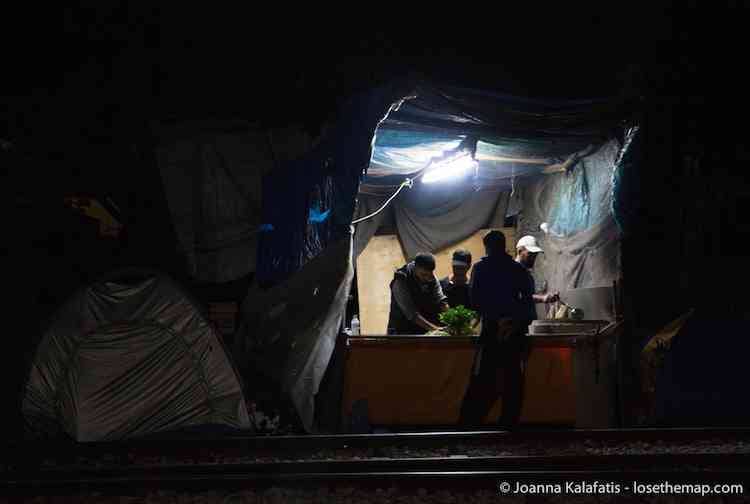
[82,86]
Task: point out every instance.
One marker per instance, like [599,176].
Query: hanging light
[451,168]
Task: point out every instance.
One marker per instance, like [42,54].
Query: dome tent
[128,356]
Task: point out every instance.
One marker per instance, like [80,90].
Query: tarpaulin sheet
[399,152]
[429,219]
[335,166]
[537,128]
[582,248]
[125,359]
[501,118]
[367,205]
[289,332]
[212,181]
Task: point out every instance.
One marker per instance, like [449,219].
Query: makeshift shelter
[212,173]
[129,356]
[381,142]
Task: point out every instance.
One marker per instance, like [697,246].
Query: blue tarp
[326,181]
[400,152]
[432,121]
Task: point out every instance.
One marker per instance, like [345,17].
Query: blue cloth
[500,288]
[294,234]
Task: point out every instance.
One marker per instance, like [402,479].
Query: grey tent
[128,356]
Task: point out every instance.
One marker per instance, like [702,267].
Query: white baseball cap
[529,243]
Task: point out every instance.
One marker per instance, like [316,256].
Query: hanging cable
[408,182]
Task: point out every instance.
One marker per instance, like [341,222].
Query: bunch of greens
[458,321]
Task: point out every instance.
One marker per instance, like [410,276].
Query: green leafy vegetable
[459,321]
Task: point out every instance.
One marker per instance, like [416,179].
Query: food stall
[420,380]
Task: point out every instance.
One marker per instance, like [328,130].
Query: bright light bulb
[451,168]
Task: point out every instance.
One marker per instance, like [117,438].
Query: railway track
[437,471]
[23,473]
[300,444]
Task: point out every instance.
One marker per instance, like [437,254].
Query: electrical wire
[409,182]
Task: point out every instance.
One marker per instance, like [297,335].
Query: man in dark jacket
[416,298]
[500,292]
[456,287]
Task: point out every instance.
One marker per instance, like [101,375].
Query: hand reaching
[552,297]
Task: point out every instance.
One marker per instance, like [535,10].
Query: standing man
[416,298]
[456,287]
[527,250]
[502,291]
[499,286]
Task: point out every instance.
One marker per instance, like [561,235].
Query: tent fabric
[399,152]
[289,331]
[581,199]
[428,221]
[124,358]
[288,240]
[497,220]
[212,183]
[582,248]
[549,129]
[368,204]
[212,173]
[625,188]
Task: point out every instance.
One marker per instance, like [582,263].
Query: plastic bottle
[355,325]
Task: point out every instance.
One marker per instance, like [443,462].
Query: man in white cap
[526,251]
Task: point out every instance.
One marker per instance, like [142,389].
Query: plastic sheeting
[582,198]
[500,119]
[582,249]
[625,188]
[289,332]
[430,118]
[333,168]
[125,358]
[365,230]
[212,182]
[431,220]
[399,152]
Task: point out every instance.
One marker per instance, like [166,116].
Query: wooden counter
[421,380]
